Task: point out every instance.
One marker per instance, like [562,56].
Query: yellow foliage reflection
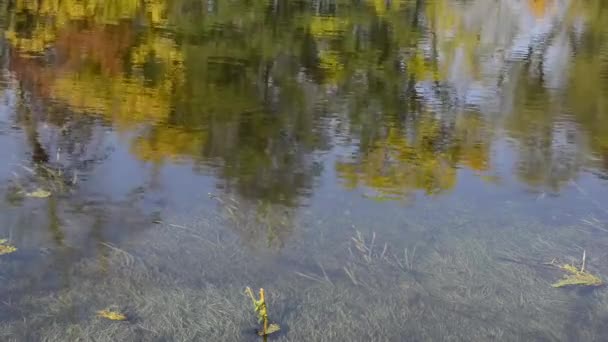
[396,166]
[171,143]
[411,83]
[111,71]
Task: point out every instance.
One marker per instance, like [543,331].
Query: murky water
[386,170]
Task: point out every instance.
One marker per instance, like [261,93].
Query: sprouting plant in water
[575,276]
[6,248]
[112,315]
[261,310]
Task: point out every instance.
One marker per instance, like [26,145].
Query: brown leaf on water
[6,248]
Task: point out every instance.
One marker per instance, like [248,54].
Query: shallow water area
[385,170]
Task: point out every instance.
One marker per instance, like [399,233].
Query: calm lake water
[386,170]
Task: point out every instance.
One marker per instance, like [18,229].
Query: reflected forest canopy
[401,94]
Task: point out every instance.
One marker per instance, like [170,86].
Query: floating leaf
[577,277]
[38,193]
[6,248]
[272,328]
[111,315]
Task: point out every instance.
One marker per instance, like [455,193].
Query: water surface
[386,170]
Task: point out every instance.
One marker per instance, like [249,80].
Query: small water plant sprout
[576,276]
[261,310]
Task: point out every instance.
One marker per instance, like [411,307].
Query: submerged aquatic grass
[451,288]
